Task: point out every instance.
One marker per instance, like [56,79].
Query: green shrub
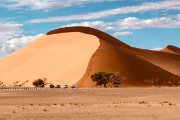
[39,83]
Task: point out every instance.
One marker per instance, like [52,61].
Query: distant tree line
[174,82]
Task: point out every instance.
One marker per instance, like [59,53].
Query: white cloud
[9,30]
[45,4]
[157,49]
[177,17]
[117,34]
[136,23]
[132,23]
[149,6]
[94,24]
[11,37]
[12,45]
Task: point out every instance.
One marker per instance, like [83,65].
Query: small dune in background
[71,55]
[171,49]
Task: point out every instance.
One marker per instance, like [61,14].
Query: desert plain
[133,103]
[89,60]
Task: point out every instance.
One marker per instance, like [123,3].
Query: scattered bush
[174,82]
[154,82]
[15,83]
[1,83]
[23,83]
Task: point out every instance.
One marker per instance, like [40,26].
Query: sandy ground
[91,104]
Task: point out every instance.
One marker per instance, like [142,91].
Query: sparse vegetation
[23,83]
[18,84]
[153,82]
[174,82]
[31,104]
[40,82]
[1,83]
[102,78]
[142,102]
[15,83]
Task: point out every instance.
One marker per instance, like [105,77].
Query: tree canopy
[102,78]
[39,82]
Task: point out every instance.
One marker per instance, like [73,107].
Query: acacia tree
[116,79]
[102,78]
[39,82]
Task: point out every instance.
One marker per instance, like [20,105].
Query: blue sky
[148,24]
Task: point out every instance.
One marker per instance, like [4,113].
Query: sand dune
[171,49]
[165,60]
[72,54]
[115,56]
[61,58]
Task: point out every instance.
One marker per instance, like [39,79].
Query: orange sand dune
[61,58]
[171,49]
[72,54]
[115,56]
[165,60]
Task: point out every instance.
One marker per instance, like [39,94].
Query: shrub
[39,82]
[174,82]
[1,83]
[154,82]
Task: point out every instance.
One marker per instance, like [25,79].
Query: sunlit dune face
[61,58]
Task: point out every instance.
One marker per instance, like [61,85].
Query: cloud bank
[12,45]
[131,23]
[9,30]
[12,37]
[117,34]
[45,4]
[149,6]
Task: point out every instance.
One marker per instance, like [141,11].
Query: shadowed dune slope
[116,56]
[165,60]
[61,58]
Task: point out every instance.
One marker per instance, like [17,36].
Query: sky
[148,24]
